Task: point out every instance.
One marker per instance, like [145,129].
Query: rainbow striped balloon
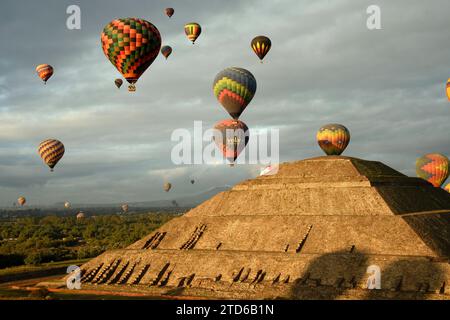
[192,30]
[44,71]
[333,138]
[433,167]
[51,151]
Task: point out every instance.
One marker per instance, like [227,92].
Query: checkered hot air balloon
[51,151]
[433,167]
[231,137]
[44,71]
[333,138]
[131,44]
[261,46]
[192,30]
[166,51]
[234,88]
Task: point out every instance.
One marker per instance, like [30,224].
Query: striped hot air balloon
[261,45]
[433,167]
[44,71]
[51,151]
[169,12]
[131,44]
[447,187]
[166,51]
[231,137]
[192,31]
[21,201]
[447,89]
[234,88]
[333,138]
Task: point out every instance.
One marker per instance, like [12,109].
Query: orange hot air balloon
[447,187]
[448,89]
[231,137]
[44,71]
[333,138]
[169,12]
[131,45]
[192,30]
[51,151]
[433,167]
[21,201]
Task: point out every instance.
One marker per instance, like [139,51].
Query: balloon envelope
[448,89]
[333,138]
[125,208]
[166,51]
[192,30]
[433,167]
[21,201]
[44,71]
[447,187]
[131,45]
[231,137]
[67,205]
[118,83]
[169,12]
[51,151]
[167,186]
[234,88]
[261,46]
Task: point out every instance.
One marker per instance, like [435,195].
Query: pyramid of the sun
[310,231]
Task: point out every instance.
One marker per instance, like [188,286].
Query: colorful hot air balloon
[131,44]
[261,45]
[447,187]
[333,138]
[67,205]
[448,89]
[118,83]
[44,71]
[192,31]
[166,51]
[433,167]
[167,186]
[169,12]
[51,151]
[234,88]
[231,136]
[125,208]
[21,201]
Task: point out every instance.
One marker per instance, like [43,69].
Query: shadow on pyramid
[309,232]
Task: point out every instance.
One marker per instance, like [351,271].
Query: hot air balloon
[21,201]
[192,31]
[231,136]
[167,186]
[81,215]
[234,88]
[125,208]
[51,151]
[433,167]
[448,89]
[131,44]
[118,83]
[333,138]
[67,205]
[261,45]
[169,12]
[447,187]
[44,71]
[192,181]
[166,51]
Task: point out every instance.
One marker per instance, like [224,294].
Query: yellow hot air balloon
[448,89]
[21,201]
[51,151]
[192,31]
[447,187]
[167,186]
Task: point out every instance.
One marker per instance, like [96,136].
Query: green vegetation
[37,240]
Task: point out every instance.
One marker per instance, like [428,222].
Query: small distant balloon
[448,89]
[118,83]
[193,31]
[44,71]
[192,181]
[167,186]
[166,51]
[231,137]
[51,151]
[67,205]
[261,46]
[169,12]
[21,201]
[433,167]
[125,208]
[333,138]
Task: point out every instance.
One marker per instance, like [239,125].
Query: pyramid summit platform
[308,232]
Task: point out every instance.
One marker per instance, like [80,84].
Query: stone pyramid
[309,232]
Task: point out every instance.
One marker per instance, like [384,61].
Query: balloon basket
[131,88]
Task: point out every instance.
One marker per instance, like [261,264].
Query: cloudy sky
[386,86]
